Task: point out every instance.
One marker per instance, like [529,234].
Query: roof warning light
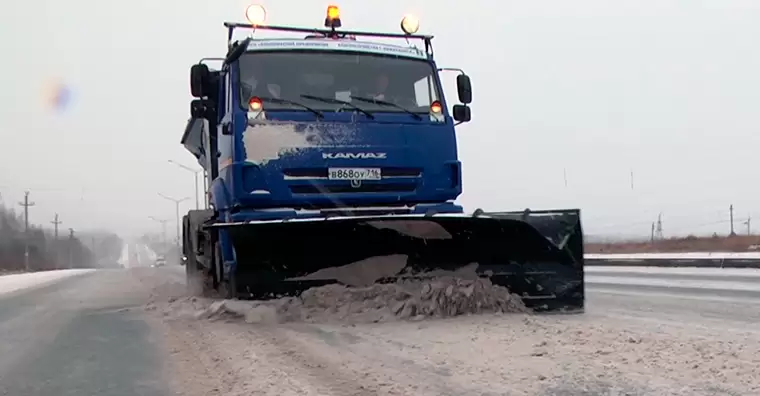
[256,14]
[410,24]
[333,17]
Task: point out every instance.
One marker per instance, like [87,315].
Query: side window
[424,91]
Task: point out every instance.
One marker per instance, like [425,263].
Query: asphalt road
[76,338]
[90,335]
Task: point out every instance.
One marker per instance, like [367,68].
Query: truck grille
[365,187]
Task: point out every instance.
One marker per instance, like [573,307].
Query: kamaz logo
[354,155]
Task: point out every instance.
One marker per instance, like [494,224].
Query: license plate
[354,174]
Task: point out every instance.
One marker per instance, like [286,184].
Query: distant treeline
[91,250]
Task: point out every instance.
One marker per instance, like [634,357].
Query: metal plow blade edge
[538,256]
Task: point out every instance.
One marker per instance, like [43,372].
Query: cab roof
[330,44]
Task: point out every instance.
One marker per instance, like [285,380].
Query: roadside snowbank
[15,282]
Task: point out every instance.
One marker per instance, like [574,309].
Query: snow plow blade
[536,255]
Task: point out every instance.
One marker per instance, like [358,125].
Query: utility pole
[56,223]
[26,204]
[176,203]
[564,175]
[749,227]
[652,235]
[658,228]
[631,179]
[731,213]
[71,248]
[56,248]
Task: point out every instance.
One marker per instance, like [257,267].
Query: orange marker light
[254,104]
[435,107]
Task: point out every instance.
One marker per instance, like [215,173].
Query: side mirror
[462,113]
[212,85]
[464,89]
[202,109]
[199,75]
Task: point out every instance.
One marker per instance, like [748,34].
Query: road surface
[76,337]
[121,332]
[136,254]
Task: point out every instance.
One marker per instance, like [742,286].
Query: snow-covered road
[647,331]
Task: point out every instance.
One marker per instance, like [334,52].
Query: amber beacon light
[333,17]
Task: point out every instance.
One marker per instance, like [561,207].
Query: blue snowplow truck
[331,148]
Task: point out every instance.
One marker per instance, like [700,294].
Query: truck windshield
[409,85]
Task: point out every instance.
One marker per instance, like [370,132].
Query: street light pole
[176,203]
[195,173]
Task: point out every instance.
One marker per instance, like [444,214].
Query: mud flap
[538,256]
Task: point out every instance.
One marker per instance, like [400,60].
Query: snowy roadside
[494,354]
[238,349]
[14,282]
[11,272]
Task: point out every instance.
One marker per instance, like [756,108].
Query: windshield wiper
[318,113]
[389,104]
[338,101]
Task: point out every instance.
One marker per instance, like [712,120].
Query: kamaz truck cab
[331,121]
[331,148]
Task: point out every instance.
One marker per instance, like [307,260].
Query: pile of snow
[407,299]
[357,298]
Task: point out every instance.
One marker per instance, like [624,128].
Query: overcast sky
[668,89]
